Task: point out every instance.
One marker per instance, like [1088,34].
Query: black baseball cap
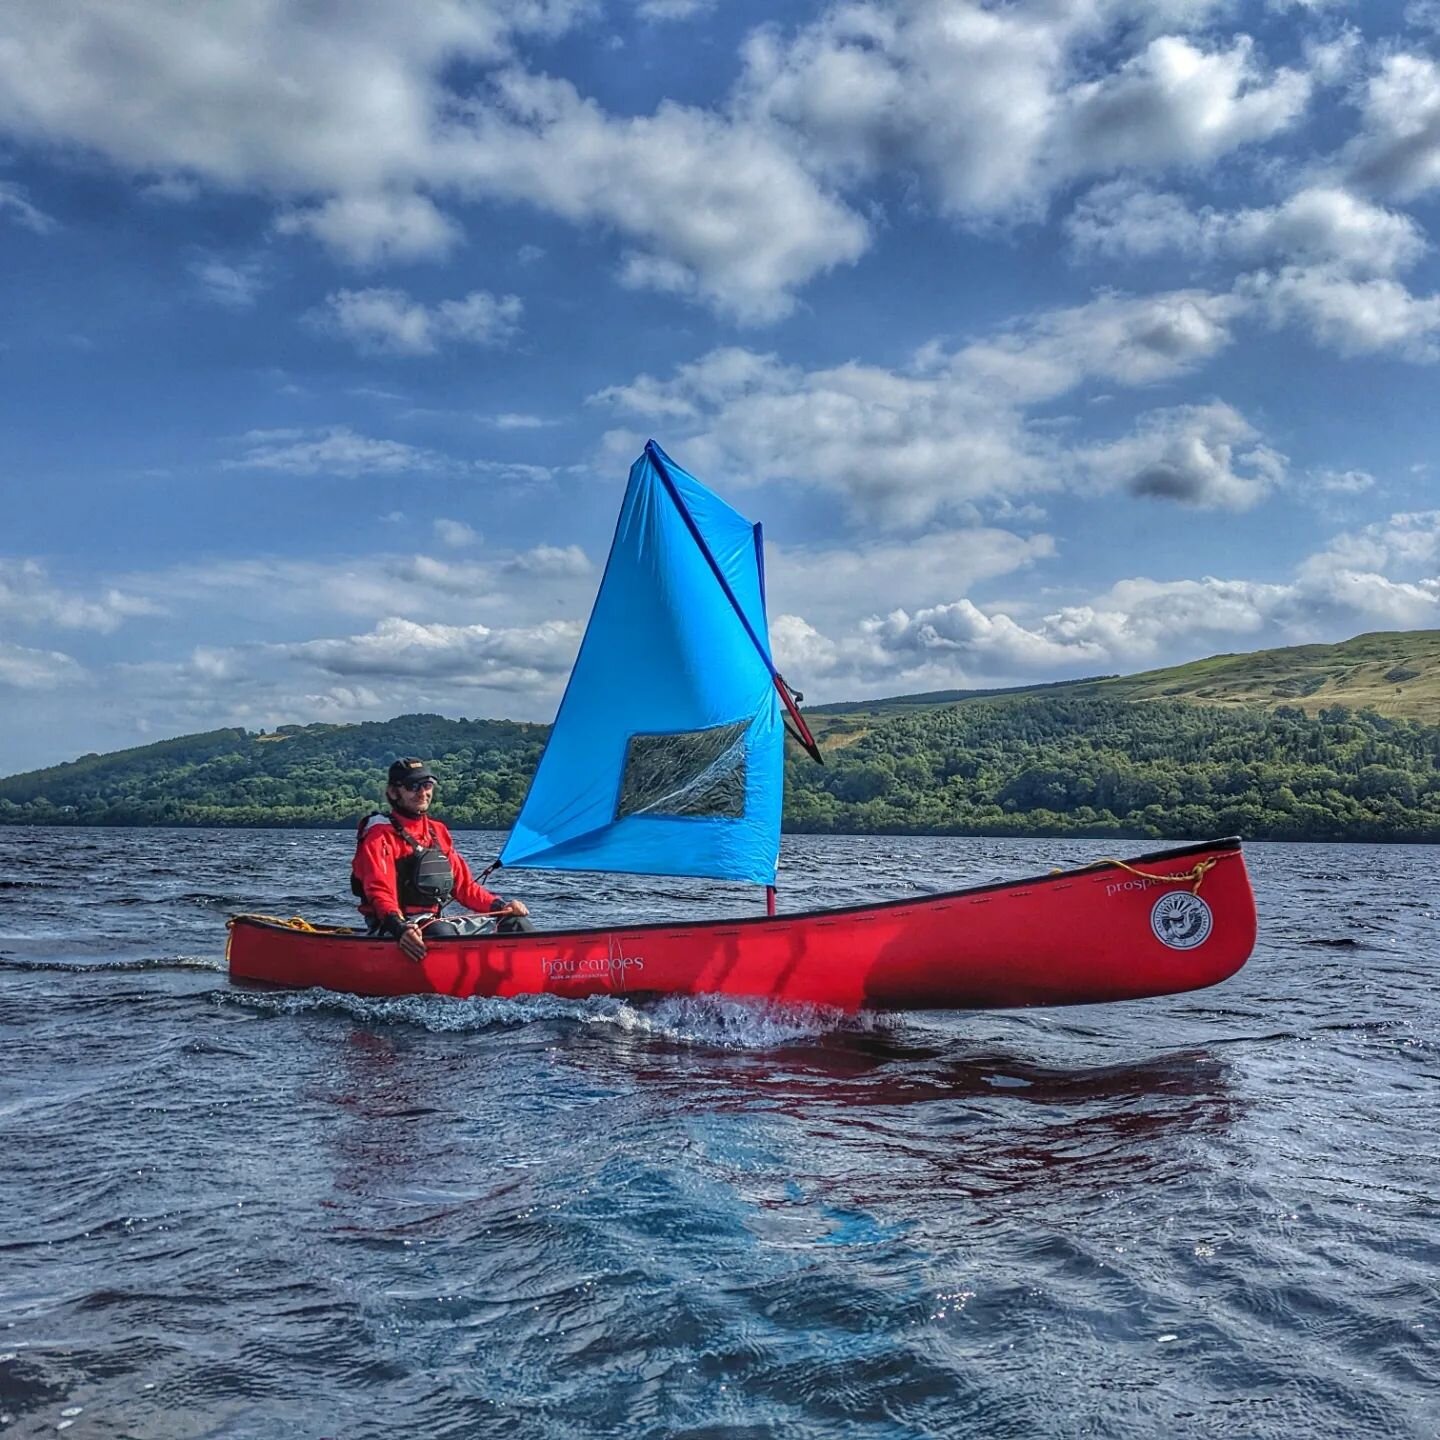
[409,769]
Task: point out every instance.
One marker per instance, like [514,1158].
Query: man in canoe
[406,870]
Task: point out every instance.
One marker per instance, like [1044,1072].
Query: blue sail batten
[667,753]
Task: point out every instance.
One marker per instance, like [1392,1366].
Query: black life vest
[423,878]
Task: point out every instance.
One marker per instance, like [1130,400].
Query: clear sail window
[690,773]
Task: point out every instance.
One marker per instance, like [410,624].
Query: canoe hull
[1102,933]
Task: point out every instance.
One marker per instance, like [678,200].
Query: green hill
[1261,745]
[1393,673]
[299,775]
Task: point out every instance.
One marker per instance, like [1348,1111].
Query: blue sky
[1057,338]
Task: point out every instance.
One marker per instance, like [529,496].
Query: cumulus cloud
[468,654]
[28,596]
[1175,104]
[672,9]
[237,287]
[1380,577]
[25,669]
[983,103]
[550,560]
[1124,218]
[250,94]
[337,450]
[1318,225]
[1208,456]
[1126,340]
[506,589]
[1423,15]
[902,447]
[375,229]
[455,534]
[389,322]
[1408,541]
[1342,482]
[825,583]
[717,210]
[361,133]
[351,124]
[1328,260]
[1397,151]
[1352,316]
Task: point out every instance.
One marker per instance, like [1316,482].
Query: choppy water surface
[236,1213]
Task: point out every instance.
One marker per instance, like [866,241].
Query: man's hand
[412,942]
[510,907]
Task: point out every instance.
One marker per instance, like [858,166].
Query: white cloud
[235,286]
[1174,104]
[721,211]
[826,583]
[1398,149]
[982,101]
[1203,455]
[1332,61]
[1342,482]
[468,654]
[250,93]
[1130,341]
[903,447]
[29,597]
[455,534]
[1327,225]
[1123,218]
[1354,317]
[672,9]
[1322,224]
[506,589]
[1406,541]
[550,560]
[15,205]
[1380,577]
[375,229]
[334,451]
[1423,15]
[347,120]
[389,322]
[25,669]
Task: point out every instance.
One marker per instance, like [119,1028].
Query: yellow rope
[295,922]
[1197,873]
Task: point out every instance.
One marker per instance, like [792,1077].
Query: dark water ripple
[230,1212]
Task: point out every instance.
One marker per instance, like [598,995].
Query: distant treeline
[1027,766]
[1162,769]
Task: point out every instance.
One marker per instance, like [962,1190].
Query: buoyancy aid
[423,878]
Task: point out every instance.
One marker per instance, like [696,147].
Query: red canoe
[1174,920]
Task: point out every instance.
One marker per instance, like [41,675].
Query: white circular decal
[1181,920]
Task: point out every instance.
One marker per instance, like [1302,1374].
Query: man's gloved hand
[407,934]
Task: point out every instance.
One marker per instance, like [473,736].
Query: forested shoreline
[1035,766]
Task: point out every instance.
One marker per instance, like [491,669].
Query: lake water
[237,1213]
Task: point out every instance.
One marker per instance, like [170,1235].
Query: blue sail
[666,757]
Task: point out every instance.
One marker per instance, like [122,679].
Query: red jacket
[380,847]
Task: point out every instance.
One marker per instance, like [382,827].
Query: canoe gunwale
[1229,845]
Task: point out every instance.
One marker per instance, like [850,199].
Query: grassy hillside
[1394,673]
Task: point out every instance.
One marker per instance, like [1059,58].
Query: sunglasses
[417,784]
